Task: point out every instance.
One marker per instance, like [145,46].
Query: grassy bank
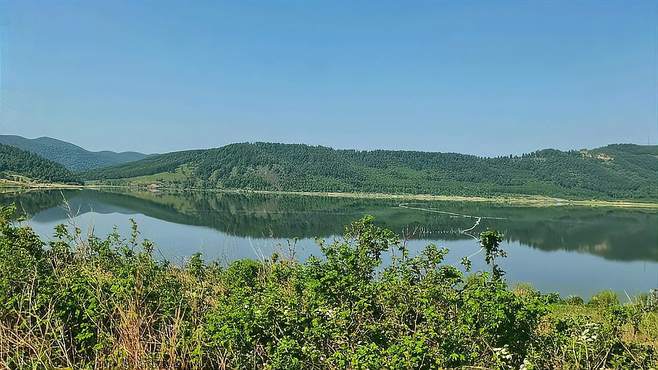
[31,184]
[515,200]
[84,302]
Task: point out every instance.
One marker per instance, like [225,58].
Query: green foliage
[151,165]
[606,298]
[614,172]
[14,161]
[84,302]
[490,241]
[70,156]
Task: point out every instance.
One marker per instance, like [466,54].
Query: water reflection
[566,250]
[620,235]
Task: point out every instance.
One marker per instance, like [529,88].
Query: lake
[556,249]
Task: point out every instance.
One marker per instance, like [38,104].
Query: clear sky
[481,77]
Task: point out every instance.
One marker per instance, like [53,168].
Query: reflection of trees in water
[284,216]
[620,235]
[29,203]
[611,233]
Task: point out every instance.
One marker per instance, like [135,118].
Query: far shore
[516,200]
[11,184]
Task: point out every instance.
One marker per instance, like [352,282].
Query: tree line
[614,172]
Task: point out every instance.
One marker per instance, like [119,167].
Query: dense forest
[71,156]
[16,163]
[621,171]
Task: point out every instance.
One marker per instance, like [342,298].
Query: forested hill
[71,156]
[16,163]
[621,171]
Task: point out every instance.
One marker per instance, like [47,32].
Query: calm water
[566,250]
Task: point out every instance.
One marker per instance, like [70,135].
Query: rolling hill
[622,171]
[71,156]
[16,164]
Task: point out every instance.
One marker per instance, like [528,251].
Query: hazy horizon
[473,78]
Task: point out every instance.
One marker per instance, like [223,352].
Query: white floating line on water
[408,206]
[478,219]
[477,222]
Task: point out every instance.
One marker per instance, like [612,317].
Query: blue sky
[480,77]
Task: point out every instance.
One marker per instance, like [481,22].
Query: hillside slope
[612,172]
[71,156]
[19,163]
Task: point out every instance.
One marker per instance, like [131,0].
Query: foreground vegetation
[613,172]
[106,303]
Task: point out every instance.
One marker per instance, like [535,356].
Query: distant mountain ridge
[620,171]
[70,155]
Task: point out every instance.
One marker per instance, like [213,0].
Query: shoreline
[516,200]
[512,200]
[10,184]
